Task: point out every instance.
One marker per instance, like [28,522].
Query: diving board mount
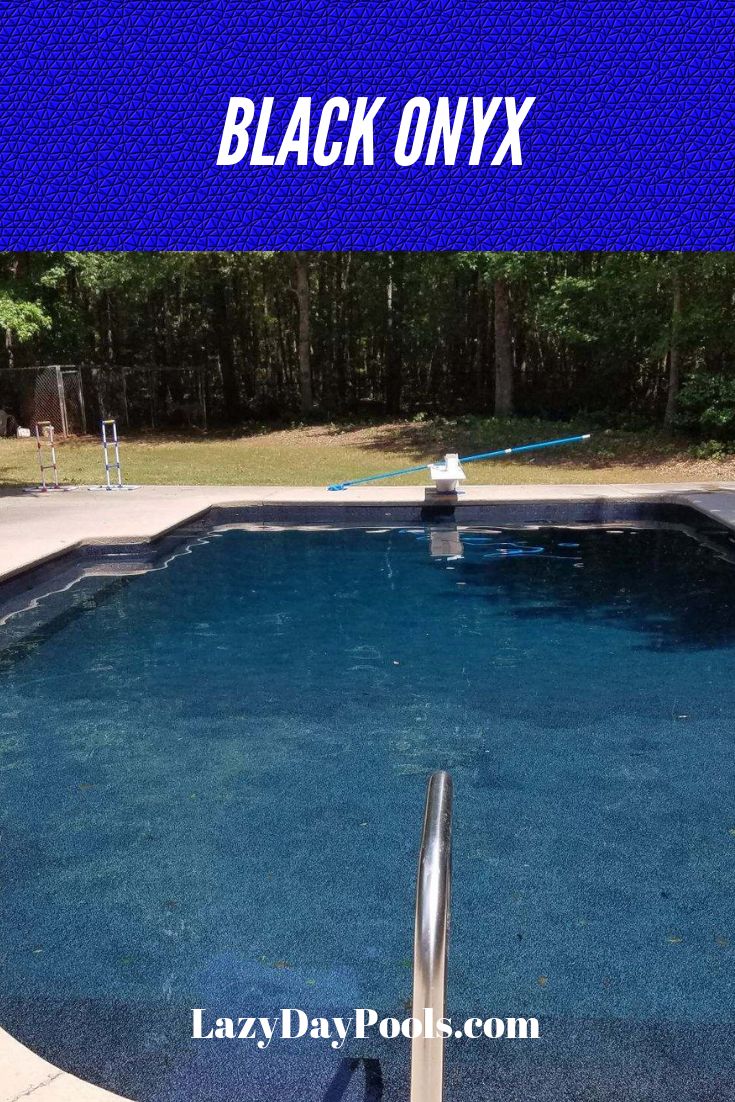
[447,474]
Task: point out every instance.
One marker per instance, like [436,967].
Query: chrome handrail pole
[431,938]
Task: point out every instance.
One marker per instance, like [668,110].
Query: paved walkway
[35,527]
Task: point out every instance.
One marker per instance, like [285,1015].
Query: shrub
[713,449]
[707,405]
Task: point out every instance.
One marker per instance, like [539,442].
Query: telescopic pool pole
[464,459]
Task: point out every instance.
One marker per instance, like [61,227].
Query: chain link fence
[75,398]
[58,398]
[54,393]
[148,397]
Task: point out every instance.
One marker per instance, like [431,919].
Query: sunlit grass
[318,455]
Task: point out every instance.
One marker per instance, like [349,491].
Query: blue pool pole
[464,459]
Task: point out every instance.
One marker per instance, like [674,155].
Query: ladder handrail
[431,937]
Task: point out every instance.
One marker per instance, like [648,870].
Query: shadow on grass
[429,439]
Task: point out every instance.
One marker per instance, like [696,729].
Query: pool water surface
[211,786]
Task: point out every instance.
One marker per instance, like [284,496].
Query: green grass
[320,454]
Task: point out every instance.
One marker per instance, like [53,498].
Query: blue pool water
[211,786]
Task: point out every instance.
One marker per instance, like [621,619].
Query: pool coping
[23,1074]
[36,528]
[31,534]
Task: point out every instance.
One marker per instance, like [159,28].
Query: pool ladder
[45,439]
[431,937]
[110,440]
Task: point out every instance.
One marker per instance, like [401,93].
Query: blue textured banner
[112,115]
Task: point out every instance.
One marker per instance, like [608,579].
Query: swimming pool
[212,784]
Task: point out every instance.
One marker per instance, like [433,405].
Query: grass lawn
[319,454]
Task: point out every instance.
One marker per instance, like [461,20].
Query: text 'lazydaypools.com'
[293,1024]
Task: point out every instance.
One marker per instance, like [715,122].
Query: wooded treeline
[273,336]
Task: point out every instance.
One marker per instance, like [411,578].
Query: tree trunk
[246,332]
[393,336]
[9,347]
[482,341]
[224,346]
[503,352]
[674,352]
[302,296]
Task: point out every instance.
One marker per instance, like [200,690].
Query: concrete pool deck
[25,1075]
[36,527]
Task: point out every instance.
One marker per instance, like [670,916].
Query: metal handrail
[431,938]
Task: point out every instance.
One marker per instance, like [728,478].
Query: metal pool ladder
[107,442]
[431,937]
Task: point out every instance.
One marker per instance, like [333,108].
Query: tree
[610,337]
[21,317]
[674,347]
[503,350]
[304,343]
[223,333]
[394,334]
